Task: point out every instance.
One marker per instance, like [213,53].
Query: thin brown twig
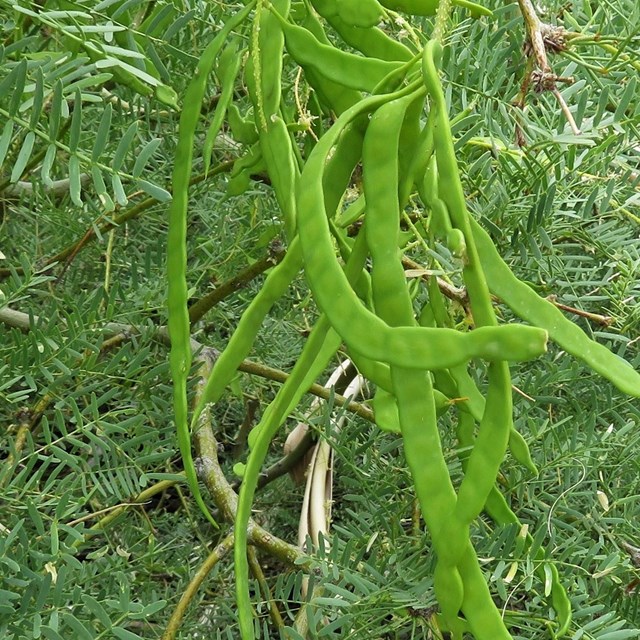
[28,419]
[225,498]
[251,406]
[117,510]
[220,551]
[565,110]
[447,289]
[258,574]
[199,308]
[276,375]
[285,464]
[605,321]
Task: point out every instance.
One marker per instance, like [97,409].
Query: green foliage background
[564,212]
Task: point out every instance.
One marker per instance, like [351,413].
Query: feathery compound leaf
[102,134]
[180,356]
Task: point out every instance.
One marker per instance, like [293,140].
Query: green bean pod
[270,50]
[453,193]
[411,347]
[449,208]
[385,408]
[497,420]
[251,163]
[422,457]
[412,389]
[312,360]
[429,7]
[360,13]
[528,305]
[450,190]
[324,354]
[381,171]
[243,130]
[332,96]
[267,428]
[353,212]
[347,69]
[457,382]
[264,82]
[229,66]
[413,7]
[416,413]
[419,161]
[372,42]
[483,463]
[460,384]
[180,356]
[278,152]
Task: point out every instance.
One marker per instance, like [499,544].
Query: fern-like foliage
[71,74]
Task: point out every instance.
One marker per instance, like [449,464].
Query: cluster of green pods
[386,109]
